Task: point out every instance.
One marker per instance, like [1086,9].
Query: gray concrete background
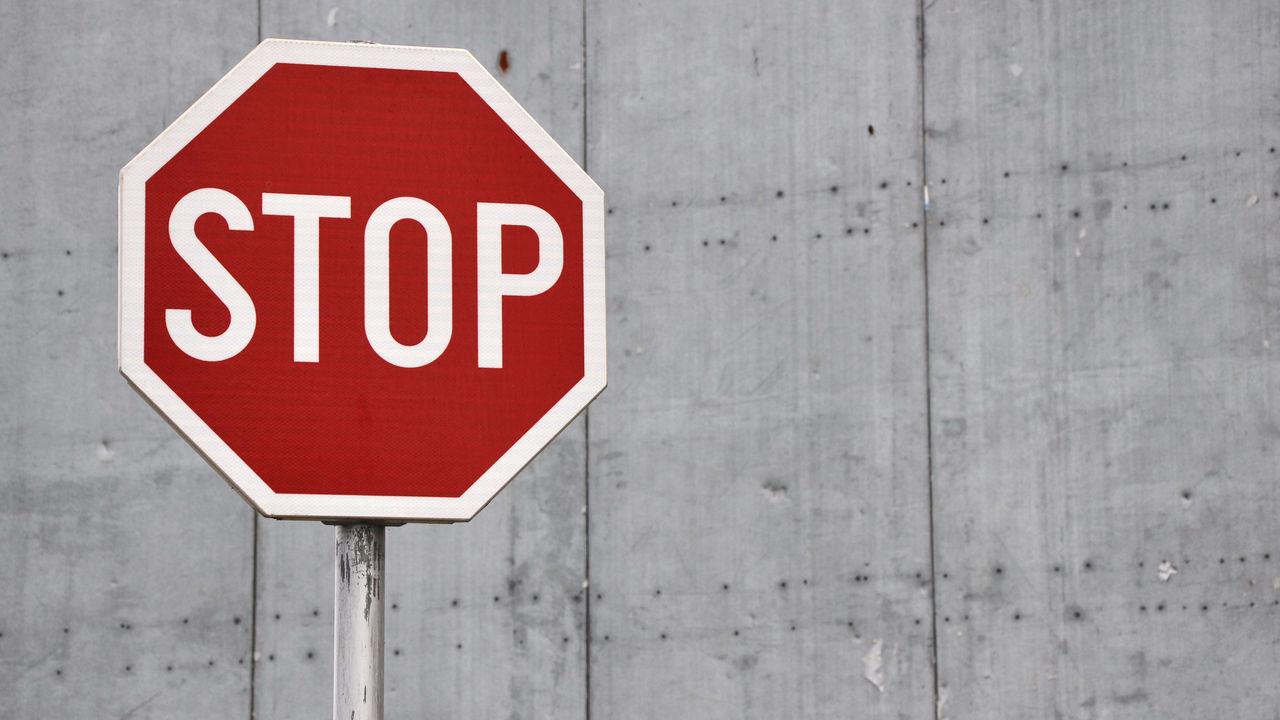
[855,459]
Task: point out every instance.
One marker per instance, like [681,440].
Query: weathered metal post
[358,622]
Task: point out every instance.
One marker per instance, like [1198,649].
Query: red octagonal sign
[362,281]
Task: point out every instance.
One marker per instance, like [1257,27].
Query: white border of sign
[133,180]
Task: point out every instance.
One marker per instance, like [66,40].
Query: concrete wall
[1009,457]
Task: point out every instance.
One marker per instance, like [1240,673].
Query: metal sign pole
[358,622]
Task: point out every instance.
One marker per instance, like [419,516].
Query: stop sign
[362,281]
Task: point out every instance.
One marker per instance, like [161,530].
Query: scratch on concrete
[27,668]
[141,705]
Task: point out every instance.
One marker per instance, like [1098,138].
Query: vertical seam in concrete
[928,375]
[586,443]
[253,625]
[586,601]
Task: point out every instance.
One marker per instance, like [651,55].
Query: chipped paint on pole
[358,622]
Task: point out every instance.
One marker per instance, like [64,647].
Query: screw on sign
[368,288]
[362,281]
